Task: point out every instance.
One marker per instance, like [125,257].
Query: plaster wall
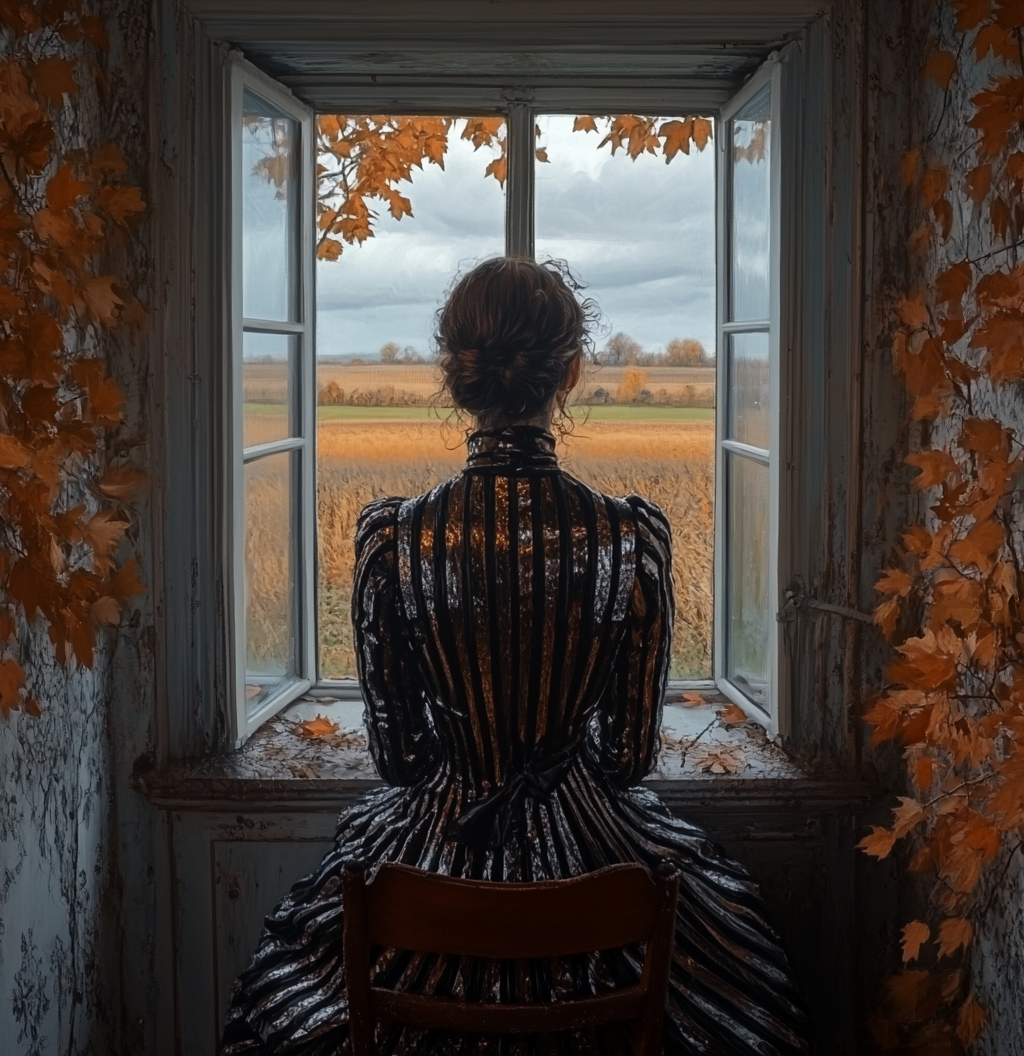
[80,853]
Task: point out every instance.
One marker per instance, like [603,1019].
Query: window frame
[520,107]
[243,76]
[775,717]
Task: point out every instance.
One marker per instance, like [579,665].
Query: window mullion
[519,239]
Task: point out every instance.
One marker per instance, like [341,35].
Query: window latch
[798,601]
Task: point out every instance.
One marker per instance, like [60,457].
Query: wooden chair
[408,909]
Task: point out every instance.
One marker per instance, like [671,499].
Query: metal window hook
[797,600]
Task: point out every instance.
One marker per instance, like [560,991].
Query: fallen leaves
[732,715]
[720,759]
[318,727]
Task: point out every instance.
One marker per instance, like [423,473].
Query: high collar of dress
[516,445]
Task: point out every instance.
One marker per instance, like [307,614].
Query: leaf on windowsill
[732,715]
[318,727]
[720,759]
[693,700]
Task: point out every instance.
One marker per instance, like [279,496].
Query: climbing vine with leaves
[951,600]
[64,208]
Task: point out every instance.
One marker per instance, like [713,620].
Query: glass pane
[377,434]
[640,234]
[379,294]
[268,387]
[270,202]
[747,585]
[749,389]
[269,575]
[751,207]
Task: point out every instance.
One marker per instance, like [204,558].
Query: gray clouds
[639,234]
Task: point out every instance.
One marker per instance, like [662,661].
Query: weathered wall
[79,852]
[998,961]
[86,955]
[905,110]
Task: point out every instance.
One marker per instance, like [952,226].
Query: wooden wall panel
[249,879]
[232,868]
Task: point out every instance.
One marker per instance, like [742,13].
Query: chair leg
[356,950]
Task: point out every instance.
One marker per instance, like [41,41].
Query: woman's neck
[538,421]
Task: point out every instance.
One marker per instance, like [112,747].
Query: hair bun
[506,336]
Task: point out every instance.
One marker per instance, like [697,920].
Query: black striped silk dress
[512,632]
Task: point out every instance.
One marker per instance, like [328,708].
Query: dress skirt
[513,631]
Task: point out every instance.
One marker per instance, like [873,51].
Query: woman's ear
[572,373]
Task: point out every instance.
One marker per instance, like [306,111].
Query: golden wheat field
[668,462]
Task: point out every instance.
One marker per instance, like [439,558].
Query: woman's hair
[507,335]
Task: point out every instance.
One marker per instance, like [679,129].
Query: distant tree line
[333,395]
[623,350]
[632,390]
[391,353]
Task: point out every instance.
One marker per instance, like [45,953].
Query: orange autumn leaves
[951,602]
[363,159]
[64,514]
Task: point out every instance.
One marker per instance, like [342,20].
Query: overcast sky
[640,234]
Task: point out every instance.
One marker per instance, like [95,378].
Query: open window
[747,491]
[273,360]
[322,379]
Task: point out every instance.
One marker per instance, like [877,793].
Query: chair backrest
[409,909]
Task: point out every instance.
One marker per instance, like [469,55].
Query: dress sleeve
[626,736]
[401,735]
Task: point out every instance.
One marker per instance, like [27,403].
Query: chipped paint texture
[54,846]
[78,850]
[998,961]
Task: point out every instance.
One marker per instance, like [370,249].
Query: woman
[513,630]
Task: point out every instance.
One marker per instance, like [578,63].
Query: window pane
[749,389]
[384,290]
[268,387]
[751,204]
[641,235]
[376,302]
[270,201]
[269,575]
[746,646]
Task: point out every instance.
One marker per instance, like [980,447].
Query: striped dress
[512,632]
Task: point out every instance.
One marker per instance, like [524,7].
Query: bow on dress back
[513,631]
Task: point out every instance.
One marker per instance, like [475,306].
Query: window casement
[273,474]
[747,420]
[273,326]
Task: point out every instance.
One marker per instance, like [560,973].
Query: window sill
[701,759]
